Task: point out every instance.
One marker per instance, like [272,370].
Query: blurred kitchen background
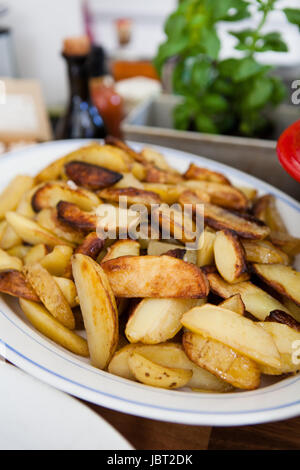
[32,33]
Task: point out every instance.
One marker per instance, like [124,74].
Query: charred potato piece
[235,304]
[283,279]
[263,251]
[278,316]
[230,257]
[50,194]
[221,194]
[91,246]
[257,302]
[122,248]
[233,330]
[70,214]
[90,176]
[12,194]
[150,373]
[195,172]
[98,308]
[221,360]
[50,294]
[155,276]
[14,283]
[132,195]
[41,319]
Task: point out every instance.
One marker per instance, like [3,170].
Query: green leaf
[228,10]
[181,117]
[279,91]
[271,42]
[246,39]
[201,74]
[293,15]
[205,124]
[223,86]
[210,42]
[175,25]
[213,103]
[169,49]
[246,68]
[259,93]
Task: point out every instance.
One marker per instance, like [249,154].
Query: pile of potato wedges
[213,318]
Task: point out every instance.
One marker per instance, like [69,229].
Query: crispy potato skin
[279,316]
[14,283]
[283,279]
[155,175]
[149,276]
[115,142]
[222,361]
[91,246]
[222,195]
[195,172]
[70,214]
[133,195]
[90,176]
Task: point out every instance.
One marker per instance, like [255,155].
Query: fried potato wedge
[9,238]
[30,232]
[257,302]
[131,195]
[99,309]
[58,260]
[50,294]
[44,322]
[283,279]
[12,194]
[70,214]
[129,181]
[205,253]
[91,246]
[230,257]
[36,254]
[169,355]
[158,248]
[49,195]
[235,304]
[92,177]
[293,308]
[14,283]
[155,276]
[278,316]
[223,195]
[154,321]
[287,243]
[285,338]
[249,192]
[236,331]
[122,248]
[47,218]
[263,251]
[168,193]
[68,289]
[195,172]
[221,360]
[265,209]
[175,222]
[9,263]
[158,160]
[156,175]
[20,251]
[150,373]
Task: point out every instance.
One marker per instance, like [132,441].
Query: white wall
[39,27]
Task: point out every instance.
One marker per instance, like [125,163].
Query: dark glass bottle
[82,119]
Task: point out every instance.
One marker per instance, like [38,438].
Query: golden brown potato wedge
[285,339]
[150,373]
[283,279]
[155,276]
[223,195]
[129,181]
[154,321]
[91,246]
[195,172]
[120,144]
[293,308]
[90,176]
[9,237]
[36,254]
[287,243]
[12,194]
[41,319]
[230,257]
[98,308]
[169,355]
[168,193]
[14,283]
[221,360]
[30,232]
[263,251]
[47,218]
[249,192]
[278,316]
[50,294]
[156,175]
[49,195]
[9,263]
[58,260]
[68,289]
[257,302]
[122,248]
[70,214]
[266,210]
[157,247]
[236,331]
[175,223]
[131,195]
[235,304]
[20,251]
[205,253]
[156,159]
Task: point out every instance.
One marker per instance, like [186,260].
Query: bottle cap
[77,46]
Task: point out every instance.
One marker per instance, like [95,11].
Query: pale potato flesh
[12,194]
[8,262]
[230,257]
[284,279]
[122,248]
[234,330]
[58,260]
[234,303]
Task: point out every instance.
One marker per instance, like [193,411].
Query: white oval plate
[34,353]
[35,416]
